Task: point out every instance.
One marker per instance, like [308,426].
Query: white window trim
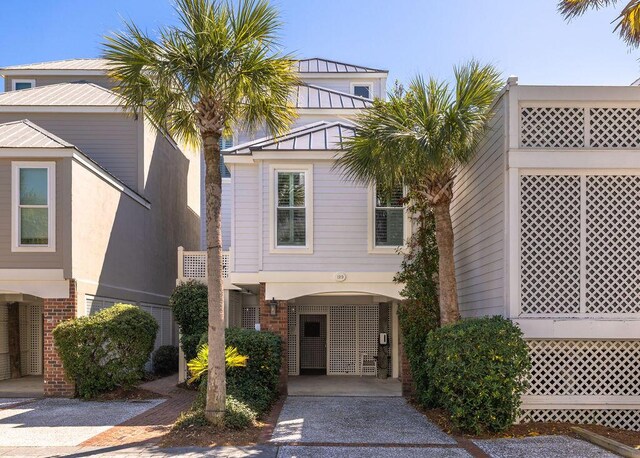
[366,83]
[307,169]
[371,227]
[15,213]
[15,81]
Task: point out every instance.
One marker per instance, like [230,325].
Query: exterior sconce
[273,307]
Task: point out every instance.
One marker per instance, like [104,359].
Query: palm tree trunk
[449,310]
[216,386]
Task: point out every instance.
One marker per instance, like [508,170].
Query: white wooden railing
[193,264]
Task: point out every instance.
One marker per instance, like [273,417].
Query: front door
[313,344]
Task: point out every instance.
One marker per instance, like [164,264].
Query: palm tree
[627,22]
[418,138]
[219,68]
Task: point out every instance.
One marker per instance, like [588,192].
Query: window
[362,90]
[22,84]
[291,218]
[389,219]
[33,196]
[291,208]
[225,142]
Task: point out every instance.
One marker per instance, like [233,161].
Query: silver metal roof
[310,96]
[67,64]
[319,65]
[25,134]
[63,94]
[319,136]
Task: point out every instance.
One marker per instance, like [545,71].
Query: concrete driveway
[62,422]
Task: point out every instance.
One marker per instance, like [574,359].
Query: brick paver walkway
[149,427]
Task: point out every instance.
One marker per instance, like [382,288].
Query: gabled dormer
[26,76]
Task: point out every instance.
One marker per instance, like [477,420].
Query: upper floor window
[362,90]
[16,85]
[33,198]
[291,226]
[225,142]
[389,219]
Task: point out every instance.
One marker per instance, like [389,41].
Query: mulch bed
[441,418]
[210,436]
[130,394]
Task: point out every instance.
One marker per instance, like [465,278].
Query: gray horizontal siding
[109,139]
[477,213]
[45,80]
[245,197]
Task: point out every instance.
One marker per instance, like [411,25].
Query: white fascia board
[41,288]
[238,159]
[585,327]
[322,155]
[288,291]
[574,159]
[322,277]
[60,109]
[344,75]
[51,72]
[552,95]
[20,153]
[330,111]
[31,275]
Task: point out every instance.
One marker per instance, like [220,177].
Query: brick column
[408,389]
[55,311]
[278,325]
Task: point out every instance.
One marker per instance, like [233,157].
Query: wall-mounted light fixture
[273,307]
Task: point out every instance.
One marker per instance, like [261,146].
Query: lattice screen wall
[5,370]
[578,127]
[250,316]
[352,330]
[579,238]
[585,368]
[194,264]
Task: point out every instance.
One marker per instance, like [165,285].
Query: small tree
[418,139]
[219,68]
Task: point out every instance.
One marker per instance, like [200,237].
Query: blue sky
[527,38]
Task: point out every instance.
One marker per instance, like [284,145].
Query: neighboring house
[547,227]
[95,201]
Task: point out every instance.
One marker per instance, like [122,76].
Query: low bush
[165,360]
[477,371]
[107,350]
[190,310]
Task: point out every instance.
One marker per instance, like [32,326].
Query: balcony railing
[193,264]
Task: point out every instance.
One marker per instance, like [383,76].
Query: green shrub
[190,310]
[165,360]
[107,350]
[237,414]
[419,314]
[478,369]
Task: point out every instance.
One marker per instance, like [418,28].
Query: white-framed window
[389,225]
[362,90]
[33,206]
[291,206]
[225,142]
[17,84]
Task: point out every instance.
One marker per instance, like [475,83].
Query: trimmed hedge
[190,310]
[478,369]
[165,360]
[107,350]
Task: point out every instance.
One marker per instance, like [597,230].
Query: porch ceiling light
[273,307]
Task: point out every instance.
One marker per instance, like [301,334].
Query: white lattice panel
[194,264]
[250,316]
[292,340]
[5,369]
[613,244]
[616,418]
[368,334]
[342,340]
[614,127]
[552,127]
[585,368]
[35,339]
[25,339]
[550,243]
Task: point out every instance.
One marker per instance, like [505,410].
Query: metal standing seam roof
[319,65]
[311,96]
[67,64]
[79,93]
[25,134]
[319,136]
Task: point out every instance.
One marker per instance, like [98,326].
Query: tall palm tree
[627,22]
[219,68]
[418,138]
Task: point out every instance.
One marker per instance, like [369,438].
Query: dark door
[313,344]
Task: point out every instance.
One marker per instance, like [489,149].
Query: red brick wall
[278,325]
[55,311]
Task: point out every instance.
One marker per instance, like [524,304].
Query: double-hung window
[389,219]
[292,210]
[33,212]
[225,142]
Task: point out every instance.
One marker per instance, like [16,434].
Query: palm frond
[573,8]
[199,365]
